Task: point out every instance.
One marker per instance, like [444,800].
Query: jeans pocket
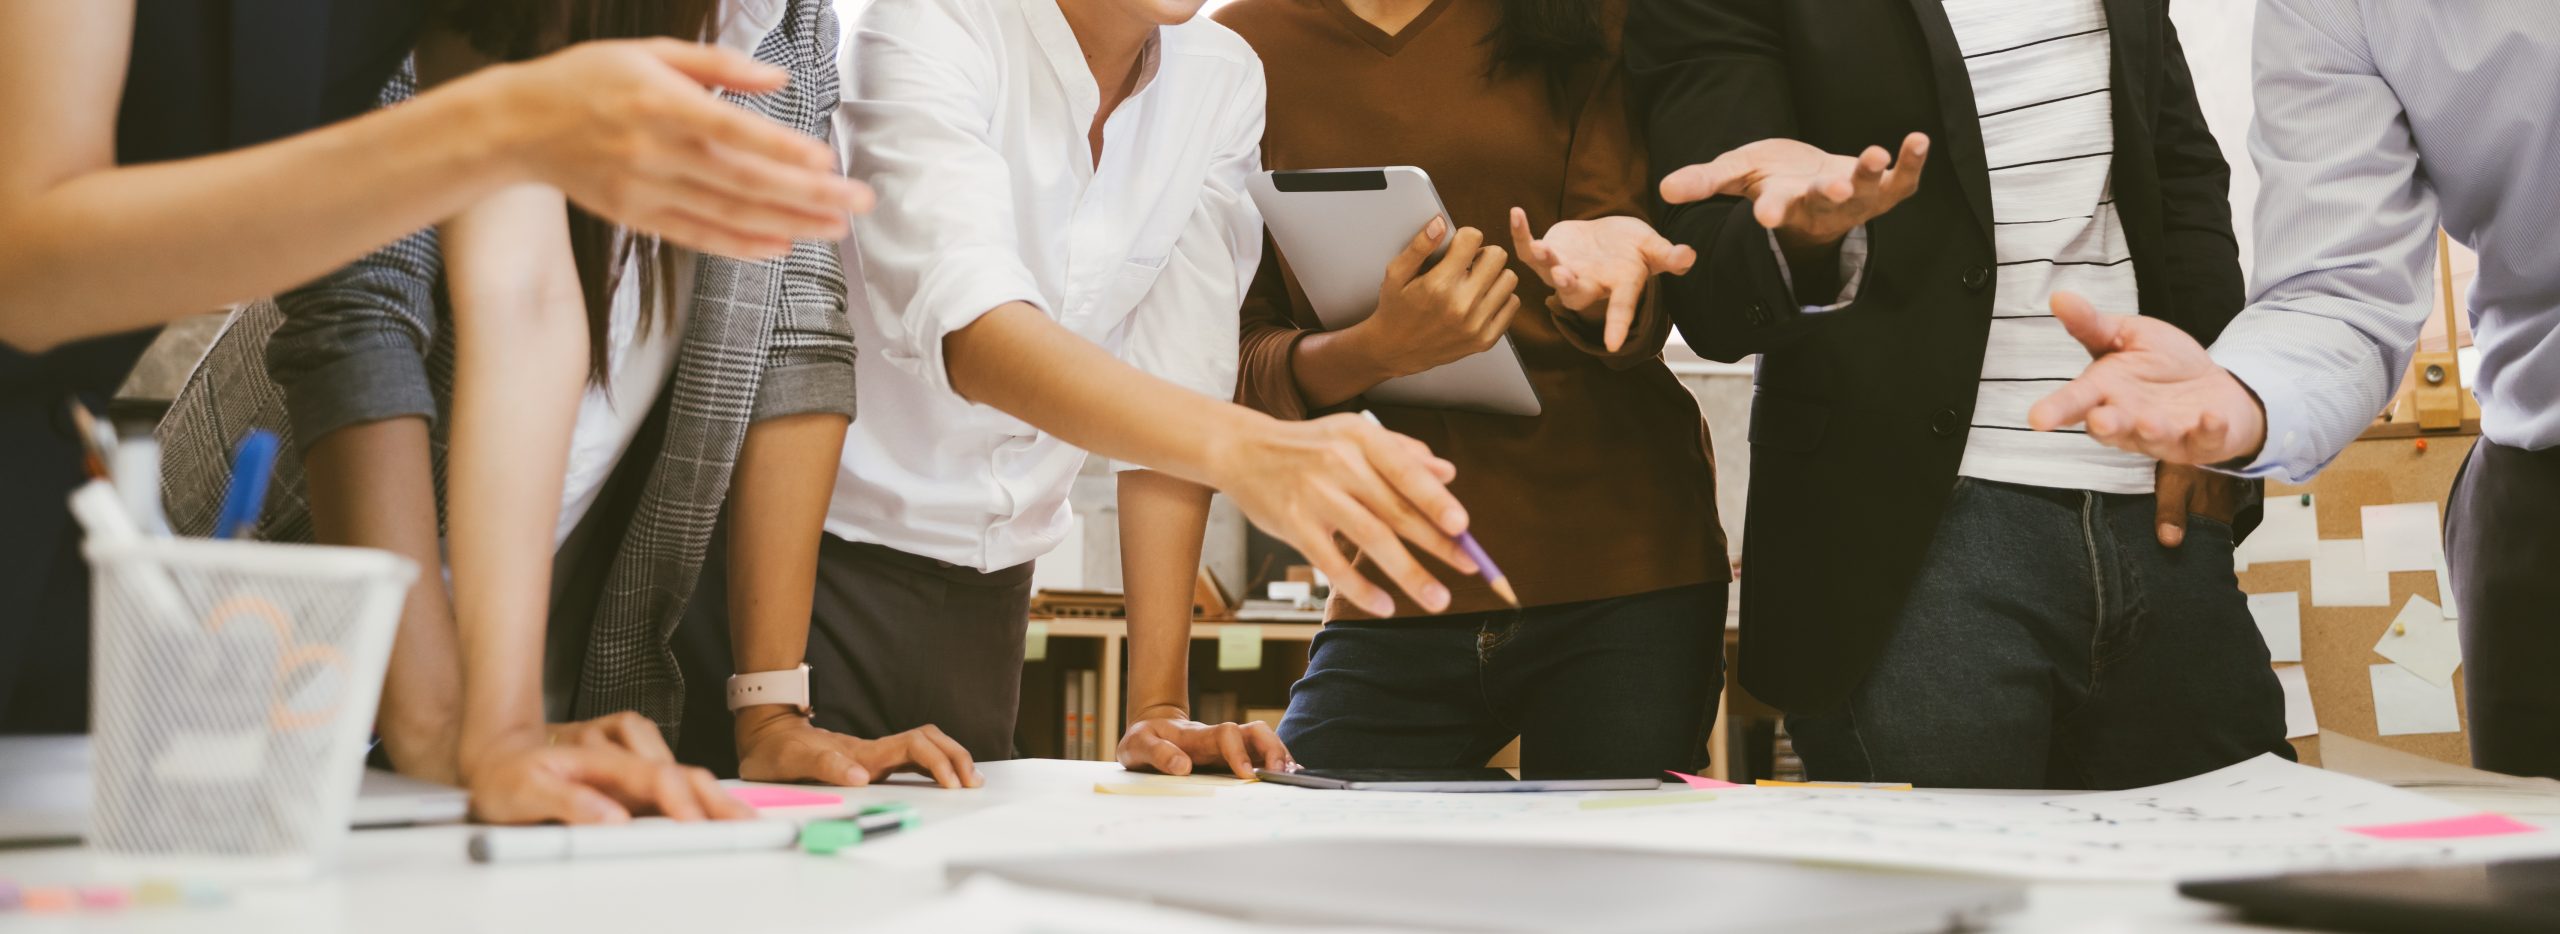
[2197,520]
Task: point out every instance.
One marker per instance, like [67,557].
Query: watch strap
[789,687]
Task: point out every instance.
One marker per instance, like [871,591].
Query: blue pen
[250,471]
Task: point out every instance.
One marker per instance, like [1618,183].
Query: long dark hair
[513,30]
[1554,37]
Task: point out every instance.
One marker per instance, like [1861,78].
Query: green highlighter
[825,837]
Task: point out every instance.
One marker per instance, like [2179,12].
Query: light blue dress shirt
[2378,121]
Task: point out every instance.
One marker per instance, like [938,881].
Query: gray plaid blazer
[373,341]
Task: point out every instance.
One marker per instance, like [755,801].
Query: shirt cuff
[1853,269]
[2288,452]
[961,287]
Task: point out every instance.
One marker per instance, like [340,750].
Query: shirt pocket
[1117,297]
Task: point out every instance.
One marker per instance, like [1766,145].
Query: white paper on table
[2404,703]
[2423,641]
[2290,531]
[2444,588]
[2300,718]
[2339,578]
[987,905]
[2402,537]
[2258,817]
[2279,617]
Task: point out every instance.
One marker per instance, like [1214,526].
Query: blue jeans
[2050,641]
[1622,687]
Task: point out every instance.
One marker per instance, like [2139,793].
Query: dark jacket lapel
[1962,149]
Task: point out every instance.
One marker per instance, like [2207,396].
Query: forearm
[520,361]
[1021,362]
[1332,367]
[373,485]
[224,228]
[777,512]
[1162,520]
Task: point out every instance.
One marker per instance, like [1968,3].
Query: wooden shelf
[1114,635]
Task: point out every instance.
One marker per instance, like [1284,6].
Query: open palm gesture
[1808,197]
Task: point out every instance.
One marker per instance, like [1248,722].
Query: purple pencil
[1484,566]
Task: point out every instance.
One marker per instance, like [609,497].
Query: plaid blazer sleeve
[810,357]
[353,346]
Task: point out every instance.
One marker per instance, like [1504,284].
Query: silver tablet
[1338,228]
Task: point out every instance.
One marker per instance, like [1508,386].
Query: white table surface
[418,879]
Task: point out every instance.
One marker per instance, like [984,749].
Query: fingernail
[1453,519]
[1438,227]
[2172,535]
[1382,606]
[1436,597]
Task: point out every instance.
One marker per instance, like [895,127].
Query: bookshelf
[1101,646]
[1741,735]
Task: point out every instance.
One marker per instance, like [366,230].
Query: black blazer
[1859,416]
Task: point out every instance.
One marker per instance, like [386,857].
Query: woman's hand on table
[1170,742]
[587,775]
[776,744]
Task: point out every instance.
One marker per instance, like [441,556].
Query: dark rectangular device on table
[2520,897]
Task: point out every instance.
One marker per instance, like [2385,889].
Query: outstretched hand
[1808,197]
[2151,389]
[1307,482]
[1598,268]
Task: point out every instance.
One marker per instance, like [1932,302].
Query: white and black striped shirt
[2040,72]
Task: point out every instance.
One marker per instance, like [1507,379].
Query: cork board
[2337,642]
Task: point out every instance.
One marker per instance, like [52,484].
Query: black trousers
[2502,538]
[896,642]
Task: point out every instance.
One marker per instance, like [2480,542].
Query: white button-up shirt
[969,117]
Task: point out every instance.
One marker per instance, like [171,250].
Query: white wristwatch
[789,687]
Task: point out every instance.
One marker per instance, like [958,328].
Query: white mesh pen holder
[234,686]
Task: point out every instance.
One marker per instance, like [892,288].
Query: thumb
[1705,180]
[716,67]
[2171,491]
[1661,256]
[2098,333]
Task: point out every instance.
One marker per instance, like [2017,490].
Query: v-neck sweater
[1610,490]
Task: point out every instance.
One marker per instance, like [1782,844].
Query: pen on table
[1485,567]
[250,471]
[658,836]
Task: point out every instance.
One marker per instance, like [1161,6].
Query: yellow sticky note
[1239,647]
[1035,642]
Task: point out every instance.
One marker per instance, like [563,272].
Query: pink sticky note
[763,797]
[2450,828]
[1701,781]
